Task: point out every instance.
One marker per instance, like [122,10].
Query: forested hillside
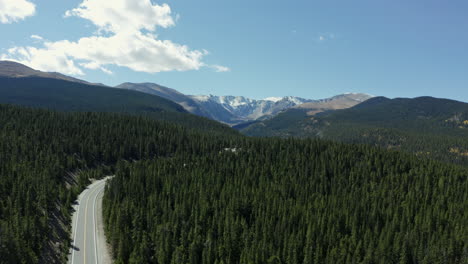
[70,96]
[288,201]
[184,196]
[46,159]
[426,126]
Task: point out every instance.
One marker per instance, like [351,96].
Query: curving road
[89,245]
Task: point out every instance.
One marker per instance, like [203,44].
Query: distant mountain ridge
[167,93]
[17,70]
[239,109]
[403,113]
[235,110]
[231,110]
[24,86]
[337,102]
[426,126]
[247,110]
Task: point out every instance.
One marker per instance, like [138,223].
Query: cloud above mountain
[125,37]
[124,15]
[15,10]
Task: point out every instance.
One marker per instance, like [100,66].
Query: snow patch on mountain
[360,97]
[273,99]
[233,110]
[237,109]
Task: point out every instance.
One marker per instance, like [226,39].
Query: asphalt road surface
[89,245]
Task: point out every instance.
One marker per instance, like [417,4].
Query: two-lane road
[89,245]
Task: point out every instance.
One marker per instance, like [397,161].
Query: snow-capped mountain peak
[296,100]
[234,110]
[273,99]
[237,109]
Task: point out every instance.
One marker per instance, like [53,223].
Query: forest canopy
[181,195]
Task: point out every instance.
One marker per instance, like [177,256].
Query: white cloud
[43,59]
[219,68]
[130,42]
[15,10]
[124,15]
[36,37]
[106,71]
[91,65]
[96,66]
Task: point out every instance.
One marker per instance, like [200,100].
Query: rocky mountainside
[234,110]
[342,101]
[238,109]
[151,88]
[231,110]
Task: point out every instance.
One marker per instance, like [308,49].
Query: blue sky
[311,49]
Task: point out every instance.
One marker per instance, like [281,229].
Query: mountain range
[429,127]
[426,126]
[235,110]
[230,110]
[21,85]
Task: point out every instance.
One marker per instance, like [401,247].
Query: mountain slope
[286,121]
[238,109]
[190,103]
[235,110]
[74,96]
[404,112]
[430,127]
[16,70]
[401,113]
[342,101]
[151,88]
[227,109]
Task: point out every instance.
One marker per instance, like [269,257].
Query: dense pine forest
[288,201]
[182,195]
[46,159]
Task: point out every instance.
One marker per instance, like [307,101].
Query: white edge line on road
[93,190]
[88,192]
[86,224]
[76,229]
[95,225]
